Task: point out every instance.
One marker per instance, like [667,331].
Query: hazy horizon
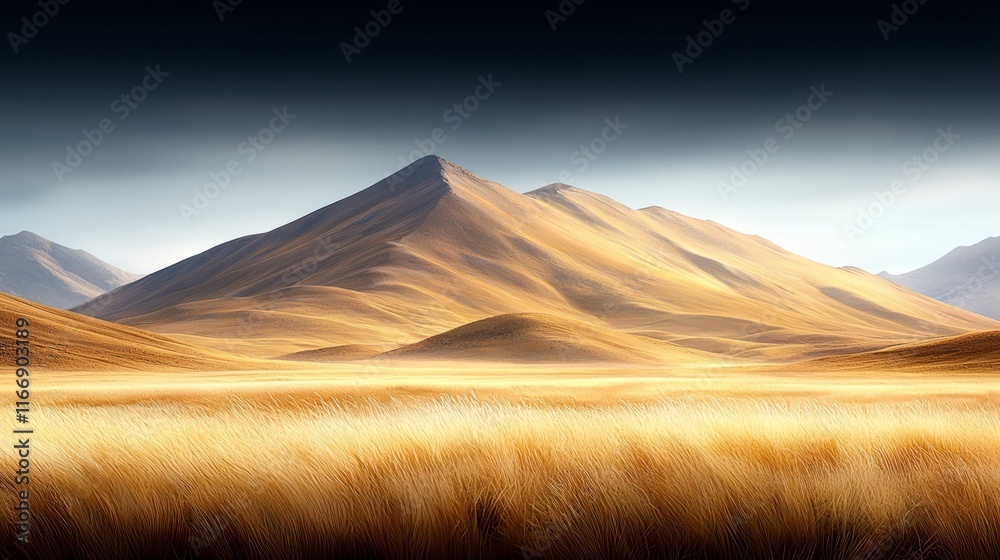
[175,252]
[216,81]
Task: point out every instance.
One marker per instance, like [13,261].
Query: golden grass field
[502,461]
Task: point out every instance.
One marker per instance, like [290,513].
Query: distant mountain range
[436,262]
[35,268]
[968,277]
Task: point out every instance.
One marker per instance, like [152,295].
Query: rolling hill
[974,352]
[62,340]
[544,338]
[968,277]
[435,247]
[35,268]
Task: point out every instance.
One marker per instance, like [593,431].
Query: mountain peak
[428,165]
[26,236]
[985,243]
[430,162]
[431,176]
[554,188]
[434,160]
[32,267]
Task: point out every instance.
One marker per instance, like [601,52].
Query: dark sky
[557,90]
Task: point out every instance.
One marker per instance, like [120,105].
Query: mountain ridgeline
[436,248]
[35,268]
[968,277]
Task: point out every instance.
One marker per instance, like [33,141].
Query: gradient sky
[939,69]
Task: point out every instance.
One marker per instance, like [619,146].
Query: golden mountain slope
[435,247]
[61,340]
[974,352]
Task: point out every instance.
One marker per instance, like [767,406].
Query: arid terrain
[435,247]
[439,367]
